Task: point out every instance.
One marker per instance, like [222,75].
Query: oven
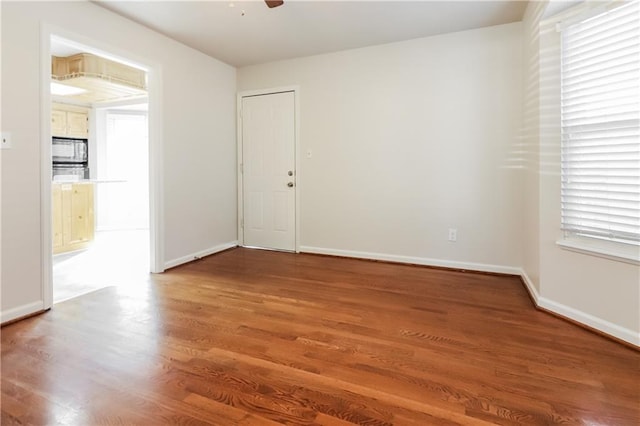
[70,172]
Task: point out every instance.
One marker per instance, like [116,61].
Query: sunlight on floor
[116,258]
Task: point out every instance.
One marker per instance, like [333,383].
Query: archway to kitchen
[100,182]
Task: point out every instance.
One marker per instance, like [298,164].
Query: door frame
[156,213]
[296,101]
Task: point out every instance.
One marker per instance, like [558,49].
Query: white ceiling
[302,28]
[63,49]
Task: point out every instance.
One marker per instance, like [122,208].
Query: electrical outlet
[453,235]
[6,140]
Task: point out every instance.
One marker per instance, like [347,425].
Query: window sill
[604,249]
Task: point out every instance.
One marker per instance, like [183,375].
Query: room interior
[453,126]
[116,243]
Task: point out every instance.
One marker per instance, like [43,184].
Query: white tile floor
[116,258]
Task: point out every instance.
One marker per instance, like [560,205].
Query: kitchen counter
[89,181]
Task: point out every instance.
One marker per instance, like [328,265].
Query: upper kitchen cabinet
[94,79]
[58,122]
[69,121]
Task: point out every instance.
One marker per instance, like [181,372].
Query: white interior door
[268,156]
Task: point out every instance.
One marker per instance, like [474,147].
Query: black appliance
[70,158]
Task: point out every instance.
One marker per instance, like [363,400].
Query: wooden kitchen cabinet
[73,216]
[58,122]
[56,207]
[69,121]
[77,124]
[84,65]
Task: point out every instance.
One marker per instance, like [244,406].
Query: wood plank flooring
[251,337]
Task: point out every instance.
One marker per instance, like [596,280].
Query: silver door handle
[290,184]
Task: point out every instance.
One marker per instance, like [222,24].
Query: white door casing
[156,217]
[268,171]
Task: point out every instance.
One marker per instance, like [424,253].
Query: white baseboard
[599,324]
[533,291]
[21,311]
[577,315]
[480,267]
[589,320]
[200,254]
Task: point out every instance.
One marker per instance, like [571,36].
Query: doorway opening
[101,212]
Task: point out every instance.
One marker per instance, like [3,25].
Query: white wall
[531,146]
[198,136]
[409,139]
[602,293]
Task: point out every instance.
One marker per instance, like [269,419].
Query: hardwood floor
[256,337]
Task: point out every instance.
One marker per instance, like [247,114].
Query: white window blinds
[600,117]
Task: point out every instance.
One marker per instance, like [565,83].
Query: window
[600,120]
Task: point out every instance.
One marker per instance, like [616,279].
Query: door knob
[290,172]
[290,184]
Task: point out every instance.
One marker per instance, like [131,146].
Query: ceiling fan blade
[274,3]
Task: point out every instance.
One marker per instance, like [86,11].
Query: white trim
[529,284]
[469,266]
[156,212]
[605,249]
[599,324]
[21,311]
[579,316]
[200,254]
[269,91]
[46,215]
[596,323]
[239,166]
[298,180]
[156,170]
[298,153]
